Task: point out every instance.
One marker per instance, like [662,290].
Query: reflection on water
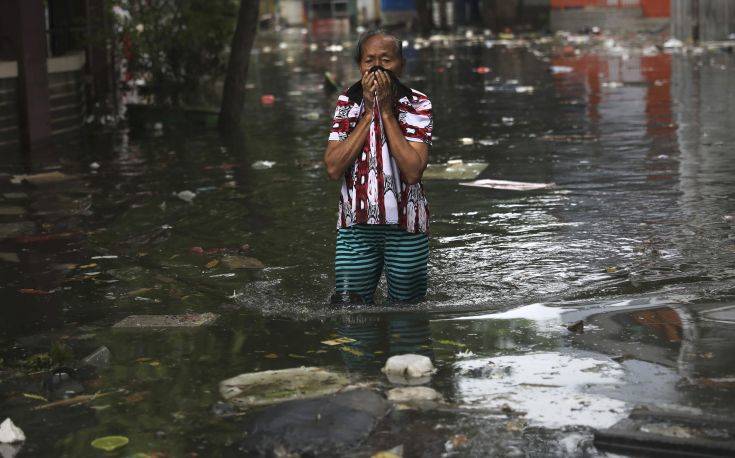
[632,241]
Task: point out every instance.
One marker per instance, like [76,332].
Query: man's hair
[371,33]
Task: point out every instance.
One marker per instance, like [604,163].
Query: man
[379,147]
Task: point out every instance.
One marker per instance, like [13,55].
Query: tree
[233,94]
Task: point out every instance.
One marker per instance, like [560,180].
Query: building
[50,73]
[702,20]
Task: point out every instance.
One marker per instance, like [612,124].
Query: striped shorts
[364,251]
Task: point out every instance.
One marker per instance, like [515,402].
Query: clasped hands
[377,86]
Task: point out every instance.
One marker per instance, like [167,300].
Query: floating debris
[42,178]
[262,165]
[270,387]
[408,369]
[267,99]
[190,320]
[338,341]
[508,185]
[186,196]
[454,170]
[242,262]
[9,433]
[560,69]
[413,394]
[100,358]
[110,443]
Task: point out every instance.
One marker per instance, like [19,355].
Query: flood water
[633,240]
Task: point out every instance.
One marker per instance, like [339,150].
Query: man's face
[380,50]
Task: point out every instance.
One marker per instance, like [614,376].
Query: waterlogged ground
[634,240]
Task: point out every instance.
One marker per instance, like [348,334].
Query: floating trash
[508,185]
[409,369]
[271,387]
[10,433]
[262,165]
[454,170]
[190,320]
[186,196]
[267,99]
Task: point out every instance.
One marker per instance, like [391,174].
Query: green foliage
[61,353]
[176,46]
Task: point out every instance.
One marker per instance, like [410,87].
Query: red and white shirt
[373,190]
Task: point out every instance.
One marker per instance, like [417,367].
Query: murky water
[632,240]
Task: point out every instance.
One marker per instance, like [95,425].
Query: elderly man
[379,148]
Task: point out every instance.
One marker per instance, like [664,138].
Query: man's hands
[378,84]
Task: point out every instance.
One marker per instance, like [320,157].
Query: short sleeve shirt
[373,190]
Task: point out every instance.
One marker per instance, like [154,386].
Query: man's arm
[411,157]
[340,154]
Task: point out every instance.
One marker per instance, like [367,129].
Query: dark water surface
[633,240]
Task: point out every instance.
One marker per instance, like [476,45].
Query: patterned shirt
[373,190]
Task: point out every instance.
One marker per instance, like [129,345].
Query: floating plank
[508,185]
[454,170]
[190,320]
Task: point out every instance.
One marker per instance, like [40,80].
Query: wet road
[633,240]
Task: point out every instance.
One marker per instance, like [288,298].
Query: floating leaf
[37,397]
[352,351]
[270,356]
[451,342]
[339,341]
[110,443]
[211,264]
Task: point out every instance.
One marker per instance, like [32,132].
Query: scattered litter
[559,69]
[110,443]
[410,394]
[673,43]
[41,178]
[311,116]
[186,196]
[242,262]
[9,257]
[454,170]
[10,433]
[108,256]
[270,387]
[80,399]
[338,341]
[267,99]
[395,452]
[455,442]
[464,354]
[94,165]
[508,121]
[100,358]
[467,141]
[482,70]
[12,211]
[409,369]
[262,165]
[167,321]
[227,275]
[8,230]
[508,185]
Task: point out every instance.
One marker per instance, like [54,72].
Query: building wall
[715,19]
[66,99]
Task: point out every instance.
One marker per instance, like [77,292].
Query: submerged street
[636,239]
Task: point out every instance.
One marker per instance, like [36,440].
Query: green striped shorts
[364,251]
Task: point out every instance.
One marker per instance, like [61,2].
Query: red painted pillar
[35,113]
